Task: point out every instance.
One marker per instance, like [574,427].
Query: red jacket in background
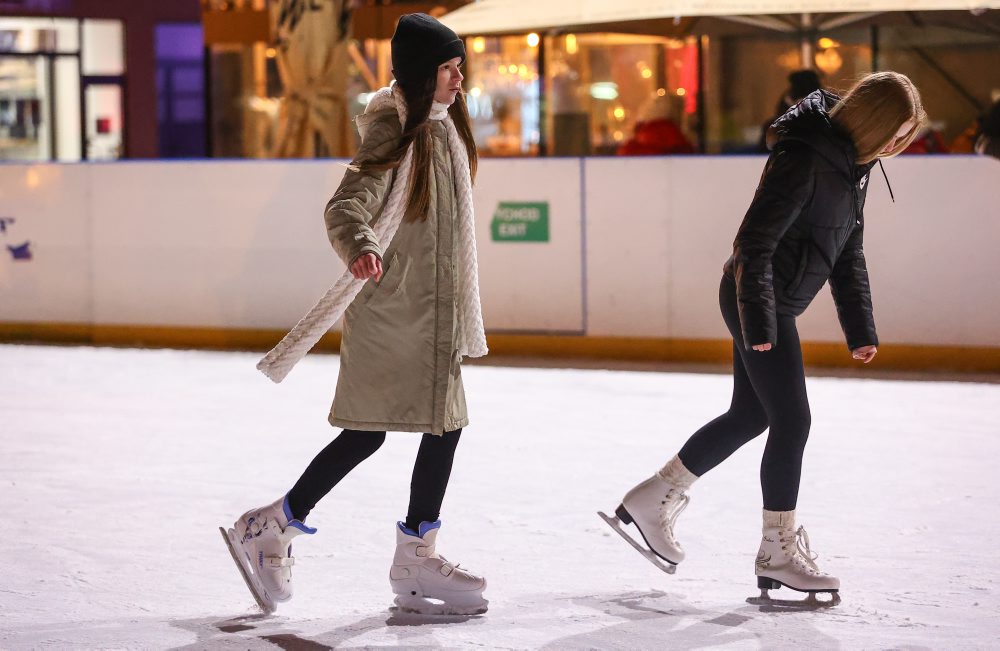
[656,137]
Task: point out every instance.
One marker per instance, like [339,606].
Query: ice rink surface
[119,465]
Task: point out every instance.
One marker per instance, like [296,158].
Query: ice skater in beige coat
[408,328]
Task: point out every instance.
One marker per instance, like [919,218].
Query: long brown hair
[419,100]
[875,108]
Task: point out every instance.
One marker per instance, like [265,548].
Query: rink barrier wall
[901,357]
[611,258]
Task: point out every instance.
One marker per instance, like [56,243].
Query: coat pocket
[392,278]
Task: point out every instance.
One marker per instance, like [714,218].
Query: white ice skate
[785,559]
[260,543]
[653,507]
[425,583]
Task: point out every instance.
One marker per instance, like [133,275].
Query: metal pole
[700,109]
[543,146]
[874,45]
[806,41]
[206,66]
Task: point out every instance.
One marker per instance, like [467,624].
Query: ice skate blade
[809,603]
[647,553]
[417,605]
[260,595]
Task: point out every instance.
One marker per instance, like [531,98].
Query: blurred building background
[107,79]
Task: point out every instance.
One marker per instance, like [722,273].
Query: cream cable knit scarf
[471,335]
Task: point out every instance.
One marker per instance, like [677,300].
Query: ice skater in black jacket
[803,229]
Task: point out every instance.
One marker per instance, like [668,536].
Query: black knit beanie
[420,45]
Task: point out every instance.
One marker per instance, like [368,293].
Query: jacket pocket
[792,286]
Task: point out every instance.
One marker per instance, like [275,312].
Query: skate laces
[803,551]
[671,508]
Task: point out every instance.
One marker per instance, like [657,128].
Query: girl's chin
[450,99]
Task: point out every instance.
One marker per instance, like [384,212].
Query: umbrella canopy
[519,16]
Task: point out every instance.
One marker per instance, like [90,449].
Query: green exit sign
[521,222]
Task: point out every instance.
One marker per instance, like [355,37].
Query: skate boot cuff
[423,529]
[301,526]
[675,474]
[782,519]
[291,521]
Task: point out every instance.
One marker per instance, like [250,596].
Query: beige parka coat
[399,365]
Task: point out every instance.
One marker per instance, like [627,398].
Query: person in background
[988,141]
[983,135]
[928,141]
[800,84]
[656,132]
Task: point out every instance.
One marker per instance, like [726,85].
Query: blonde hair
[875,108]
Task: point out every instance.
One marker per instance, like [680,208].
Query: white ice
[117,467]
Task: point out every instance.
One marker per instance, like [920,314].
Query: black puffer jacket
[805,227]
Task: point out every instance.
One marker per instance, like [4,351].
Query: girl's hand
[866,353]
[367,266]
[762,347]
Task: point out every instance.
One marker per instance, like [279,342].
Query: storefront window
[753,73]
[47,72]
[599,88]
[180,90]
[103,103]
[25,133]
[502,91]
[103,51]
[955,69]
[603,87]
[245,96]
[30,35]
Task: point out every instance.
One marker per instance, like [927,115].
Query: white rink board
[212,245]
[931,255]
[531,286]
[241,244]
[47,204]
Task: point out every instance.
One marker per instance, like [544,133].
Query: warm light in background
[829,61]
[827,43]
[533,40]
[619,113]
[571,46]
[479,45]
[604,90]
[270,52]
[646,73]
[512,69]
[681,92]
[476,91]
[660,92]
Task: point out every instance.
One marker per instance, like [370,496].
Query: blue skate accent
[292,522]
[424,528]
[301,526]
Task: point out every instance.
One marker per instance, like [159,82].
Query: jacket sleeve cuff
[364,250]
[759,335]
[758,325]
[853,343]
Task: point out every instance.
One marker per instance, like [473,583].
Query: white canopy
[514,16]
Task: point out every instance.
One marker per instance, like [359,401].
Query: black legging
[431,472]
[769,390]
